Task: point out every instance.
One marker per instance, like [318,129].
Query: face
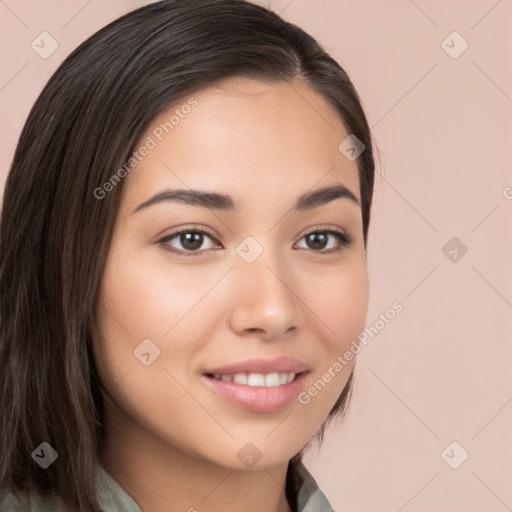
[217,313]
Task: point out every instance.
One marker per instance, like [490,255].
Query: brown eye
[190,241]
[318,240]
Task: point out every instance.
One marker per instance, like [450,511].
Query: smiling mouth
[257,392]
[267,380]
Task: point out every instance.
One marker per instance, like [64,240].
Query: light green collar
[114,498]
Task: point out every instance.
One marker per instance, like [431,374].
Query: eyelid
[187,229]
[345,241]
[343,238]
[327,227]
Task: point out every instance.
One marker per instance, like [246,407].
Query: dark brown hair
[55,232]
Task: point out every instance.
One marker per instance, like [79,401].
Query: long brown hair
[55,232]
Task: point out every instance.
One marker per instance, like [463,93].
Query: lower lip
[258,398]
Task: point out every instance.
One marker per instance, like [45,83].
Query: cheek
[340,304]
[148,299]
[141,299]
[340,300]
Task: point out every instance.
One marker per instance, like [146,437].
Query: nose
[265,299]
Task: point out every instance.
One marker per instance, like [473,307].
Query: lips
[258,385]
[262,366]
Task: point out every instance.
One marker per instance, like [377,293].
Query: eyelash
[343,238]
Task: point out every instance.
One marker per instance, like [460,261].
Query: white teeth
[272,380]
[240,378]
[268,380]
[256,379]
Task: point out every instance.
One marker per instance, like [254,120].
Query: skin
[171,443]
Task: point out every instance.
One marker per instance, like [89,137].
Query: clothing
[113,498]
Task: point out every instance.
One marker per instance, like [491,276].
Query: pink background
[441,370]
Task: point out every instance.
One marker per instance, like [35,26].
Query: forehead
[245,136]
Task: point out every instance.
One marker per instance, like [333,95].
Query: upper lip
[276,365]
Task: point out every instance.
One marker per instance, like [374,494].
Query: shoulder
[310,498]
[112,496]
[12,502]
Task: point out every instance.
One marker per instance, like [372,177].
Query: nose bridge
[264,297]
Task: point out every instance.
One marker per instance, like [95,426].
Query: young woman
[183,267]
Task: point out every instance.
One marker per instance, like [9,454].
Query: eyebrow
[307,201]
